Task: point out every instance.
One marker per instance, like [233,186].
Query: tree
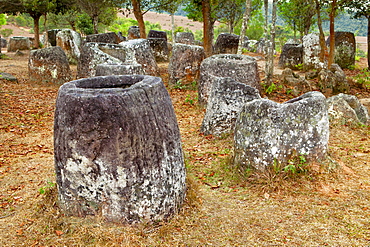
[321,32]
[96,9]
[35,8]
[361,8]
[271,46]
[207,28]
[141,7]
[248,7]
[298,14]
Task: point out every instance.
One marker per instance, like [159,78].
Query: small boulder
[8,77]
[333,80]
[49,65]
[347,109]
[133,33]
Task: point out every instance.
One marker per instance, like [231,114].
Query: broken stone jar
[268,133]
[117,149]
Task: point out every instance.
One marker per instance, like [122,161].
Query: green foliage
[84,24]
[6,32]
[22,20]
[189,100]
[254,29]
[122,25]
[2,19]
[299,66]
[363,78]
[45,189]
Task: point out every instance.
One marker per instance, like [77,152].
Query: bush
[6,32]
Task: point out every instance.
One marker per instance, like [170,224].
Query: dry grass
[329,204]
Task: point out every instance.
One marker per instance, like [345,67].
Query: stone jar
[117,149]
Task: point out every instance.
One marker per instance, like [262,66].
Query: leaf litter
[328,205]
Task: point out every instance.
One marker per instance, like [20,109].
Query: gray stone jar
[118,149]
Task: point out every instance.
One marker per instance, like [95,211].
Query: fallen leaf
[58,233]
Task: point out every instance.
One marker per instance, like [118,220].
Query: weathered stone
[160,49]
[18,53]
[241,68]
[119,69]
[157,34]
[93,54]
[311,52]
[52,37]
[346,109]
[226,43]
[251,45]
[18,43]
[185,38]
[136,51]
[333,80]
[185,63]
[345,49]
[117,149]
[139,51]
[8,77]
[267,132]
[49,65]
[110,37]
[133,33]
[3,43]
[121,37]
[261,46]
[294,81]
[226,99]
[291,56]
[70,41]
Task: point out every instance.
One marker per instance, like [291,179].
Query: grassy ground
[327,205]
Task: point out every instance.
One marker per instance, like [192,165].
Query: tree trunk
[46,32]
[321,33]
[139,17]
[95,24]
[266,5]
[248,4]
[332,33]
[271,48]
[173,27]
[36,27]
[207,28]
[368,42]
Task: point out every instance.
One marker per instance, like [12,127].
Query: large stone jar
[118,149]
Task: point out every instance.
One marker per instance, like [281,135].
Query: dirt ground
[328,205]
